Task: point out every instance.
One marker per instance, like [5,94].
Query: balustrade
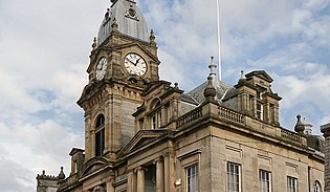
[231,115]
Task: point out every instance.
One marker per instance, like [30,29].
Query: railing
[289,136]
[230,115]
[227,114]
[189,117]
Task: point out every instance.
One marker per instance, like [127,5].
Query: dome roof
[129,19]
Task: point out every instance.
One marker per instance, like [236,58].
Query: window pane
[192,178]
[317,186]
[233,177]
[99,142]
[292,184]
[265,181]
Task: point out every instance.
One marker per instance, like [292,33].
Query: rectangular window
[99,142]
[233,177]
[154,122]
[265,181]
[75,164]
[192,178]
[292,184]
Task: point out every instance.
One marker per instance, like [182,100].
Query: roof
[261,74]
[129,18]
[224,93]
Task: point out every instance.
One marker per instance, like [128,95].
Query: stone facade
[143,134]
[326,130]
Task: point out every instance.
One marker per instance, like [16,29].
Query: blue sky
[44,54]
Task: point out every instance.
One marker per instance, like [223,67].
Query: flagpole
[219,40]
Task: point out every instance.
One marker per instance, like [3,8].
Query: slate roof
[226,94]
[130,23]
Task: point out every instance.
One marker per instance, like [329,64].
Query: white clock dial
[135,64]
[101,68]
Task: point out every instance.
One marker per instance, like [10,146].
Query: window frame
[156,117]
[233,178]
[292,184]
[268,180]
[194,178]
[318,185]
[99,135]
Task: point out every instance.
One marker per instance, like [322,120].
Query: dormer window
[99,135]
[259,104]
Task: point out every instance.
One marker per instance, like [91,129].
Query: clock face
[135,64]
[101,68]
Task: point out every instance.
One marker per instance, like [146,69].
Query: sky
[44,54]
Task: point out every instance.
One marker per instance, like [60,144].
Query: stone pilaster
[131,180]
[169,170]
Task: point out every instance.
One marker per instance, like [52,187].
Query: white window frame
[192,177]
[292,184]
[260,112]
[265,179]
[234,180]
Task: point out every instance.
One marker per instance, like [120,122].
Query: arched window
[156,119]
[317,186]
[99,135]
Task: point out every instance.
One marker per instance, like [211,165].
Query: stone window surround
[187,160]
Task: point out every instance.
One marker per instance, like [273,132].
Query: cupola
[128,20]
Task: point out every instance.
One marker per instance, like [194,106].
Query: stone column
[325,129]
[140,180]
[159,175]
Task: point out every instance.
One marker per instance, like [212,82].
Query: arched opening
[317,186]
[99,135]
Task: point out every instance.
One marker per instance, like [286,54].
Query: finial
[209,91]
[152,37]
[94,43]
[212,67]
[61,175]
[299,127]
[176,85]
[242,74]
[114,24]
[43,172]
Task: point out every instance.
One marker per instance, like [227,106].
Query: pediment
[143,138]
[94,165]
[154,85]
[261,74]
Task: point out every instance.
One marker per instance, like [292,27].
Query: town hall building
[144,134]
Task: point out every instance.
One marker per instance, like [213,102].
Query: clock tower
[123,62]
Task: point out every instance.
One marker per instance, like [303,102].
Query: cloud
[35,148]
[14,177]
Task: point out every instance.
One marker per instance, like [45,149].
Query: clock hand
[132,62]
[137,61]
